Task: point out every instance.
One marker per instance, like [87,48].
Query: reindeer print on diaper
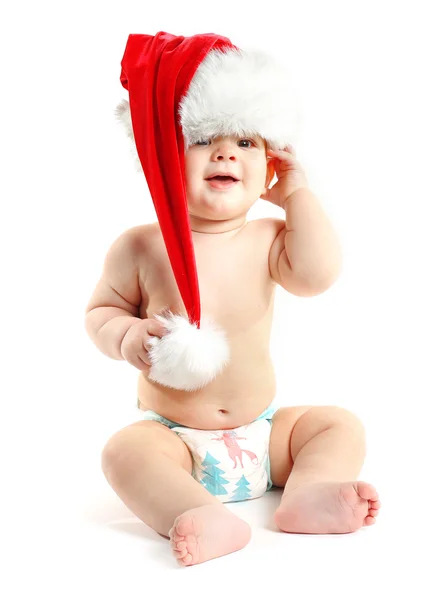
[230,438]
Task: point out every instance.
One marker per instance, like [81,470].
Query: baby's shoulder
[133,248]
[266,229]
[139,239]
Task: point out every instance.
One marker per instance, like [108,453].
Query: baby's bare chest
[234,283]
[234,280]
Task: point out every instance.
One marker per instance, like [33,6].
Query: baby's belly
[235,398]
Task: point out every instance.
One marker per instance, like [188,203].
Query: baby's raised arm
[112,318]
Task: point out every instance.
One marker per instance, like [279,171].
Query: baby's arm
[114,305]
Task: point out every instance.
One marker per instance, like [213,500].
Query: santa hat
[183,90]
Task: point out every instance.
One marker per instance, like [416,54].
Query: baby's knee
[122,447]
[347,417]
[141,444]
[337,416]
[320,418]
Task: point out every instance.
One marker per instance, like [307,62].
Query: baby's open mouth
[222,182]
[222,178]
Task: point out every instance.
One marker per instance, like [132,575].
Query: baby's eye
[249,142]
[208,141]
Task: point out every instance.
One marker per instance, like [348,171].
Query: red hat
[183,90]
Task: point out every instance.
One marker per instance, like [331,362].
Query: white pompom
[187,358]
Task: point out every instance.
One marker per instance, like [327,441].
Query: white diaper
[232,464]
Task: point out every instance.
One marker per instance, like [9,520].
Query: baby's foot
[207,532]
[328,507]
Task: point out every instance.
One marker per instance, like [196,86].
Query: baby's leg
[317,454]
[149,467]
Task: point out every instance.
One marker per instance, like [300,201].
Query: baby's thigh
[281,461]
[144,441]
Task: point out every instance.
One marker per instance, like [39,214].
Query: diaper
[232,464]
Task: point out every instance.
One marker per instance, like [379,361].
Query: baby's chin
[217,216]
[221,209]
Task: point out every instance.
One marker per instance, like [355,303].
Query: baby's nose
[225,154]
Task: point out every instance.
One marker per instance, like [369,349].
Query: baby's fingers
[145,363]
[156,328]
[138,363]
[289,149]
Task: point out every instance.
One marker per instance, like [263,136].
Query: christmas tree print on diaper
[212,478]
[241,492]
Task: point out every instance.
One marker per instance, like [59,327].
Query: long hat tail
[159,138]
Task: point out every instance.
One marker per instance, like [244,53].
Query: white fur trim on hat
[234,92]
[123,115]
[187,358]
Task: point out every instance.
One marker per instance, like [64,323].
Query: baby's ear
[270,173]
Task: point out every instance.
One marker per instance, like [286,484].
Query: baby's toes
[181,545]
[179,554]
[186,560]
[374,508]
[173,544]
[173,535]
[369,520]
[366,491]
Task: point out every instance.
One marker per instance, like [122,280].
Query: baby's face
[244,158]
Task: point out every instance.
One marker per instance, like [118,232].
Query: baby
[315,452]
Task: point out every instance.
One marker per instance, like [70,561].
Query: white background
[68,189]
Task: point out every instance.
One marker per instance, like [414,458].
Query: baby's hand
[290,174]
[134,348]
